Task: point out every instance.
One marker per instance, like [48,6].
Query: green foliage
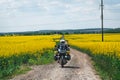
[103,74]
[46,58]
[109,64]
[12,64]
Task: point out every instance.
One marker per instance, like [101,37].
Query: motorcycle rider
[62,46]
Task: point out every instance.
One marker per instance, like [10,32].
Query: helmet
[62,41]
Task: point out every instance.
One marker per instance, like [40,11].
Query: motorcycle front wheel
[62,66]
[62,61]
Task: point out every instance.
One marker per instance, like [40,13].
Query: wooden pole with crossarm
[102,20]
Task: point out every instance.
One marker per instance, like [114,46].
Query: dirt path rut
[79,68]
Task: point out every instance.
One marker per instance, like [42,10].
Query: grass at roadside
[22,70]
[103,74]
[22,66]
[45,58]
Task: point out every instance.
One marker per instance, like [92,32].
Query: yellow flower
[17,45]
[92,42]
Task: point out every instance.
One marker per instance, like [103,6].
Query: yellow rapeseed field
[92,42]
[15,45]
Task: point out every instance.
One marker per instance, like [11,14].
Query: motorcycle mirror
[68,45]
[55,45]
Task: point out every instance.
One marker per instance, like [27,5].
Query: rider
[63,45]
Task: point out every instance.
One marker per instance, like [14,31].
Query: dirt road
[79,68]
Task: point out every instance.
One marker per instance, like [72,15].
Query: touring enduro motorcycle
[62,57]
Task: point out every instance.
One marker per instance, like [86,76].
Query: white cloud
[90,2]
[3,1]
[50,6]
[117,6]
[35,12]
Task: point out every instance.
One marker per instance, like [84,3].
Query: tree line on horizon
[50,32]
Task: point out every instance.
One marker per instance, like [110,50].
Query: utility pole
[102,20]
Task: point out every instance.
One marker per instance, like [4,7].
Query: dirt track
[79,68]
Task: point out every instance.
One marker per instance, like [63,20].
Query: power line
[113,19]
[110,9]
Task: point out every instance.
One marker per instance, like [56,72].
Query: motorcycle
[62,57]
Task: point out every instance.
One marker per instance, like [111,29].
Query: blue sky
[32,15]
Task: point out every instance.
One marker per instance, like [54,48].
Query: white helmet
[62,41]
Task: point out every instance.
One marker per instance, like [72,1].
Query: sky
[33,15]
